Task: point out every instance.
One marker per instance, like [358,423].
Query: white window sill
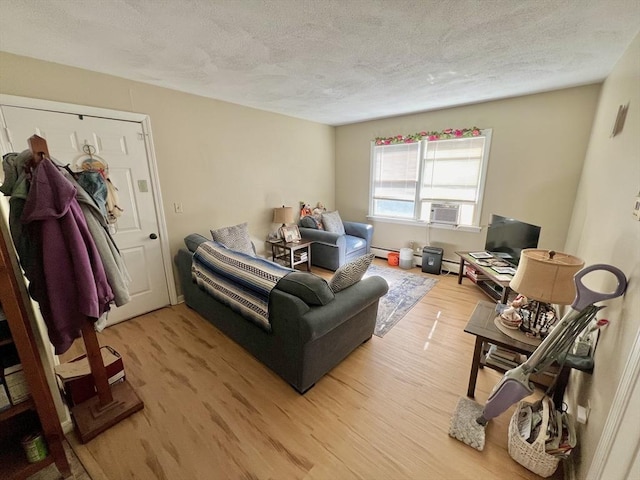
[415,223]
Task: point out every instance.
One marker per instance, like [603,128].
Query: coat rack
[112,404]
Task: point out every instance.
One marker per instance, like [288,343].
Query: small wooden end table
[481,325]
[293,253]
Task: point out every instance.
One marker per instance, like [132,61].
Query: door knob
[153,236]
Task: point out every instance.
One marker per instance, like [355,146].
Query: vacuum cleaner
[469,419]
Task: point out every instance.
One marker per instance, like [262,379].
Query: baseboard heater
[451,266]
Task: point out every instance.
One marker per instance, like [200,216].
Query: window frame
[422,148]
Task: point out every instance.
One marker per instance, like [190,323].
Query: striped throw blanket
[240,281]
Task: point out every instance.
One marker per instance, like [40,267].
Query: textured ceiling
[334,62]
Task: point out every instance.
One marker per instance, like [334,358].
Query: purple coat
[74,285]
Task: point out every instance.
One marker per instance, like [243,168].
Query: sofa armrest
[362,230]
[319,320]
[323,236]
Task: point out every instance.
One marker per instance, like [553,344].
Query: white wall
[538,147]
[225,163]
[603,231]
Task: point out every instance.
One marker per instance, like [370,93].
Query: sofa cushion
[308,222]
[350,273]
[311,289]
[235,237]
[333,223]
[355,243]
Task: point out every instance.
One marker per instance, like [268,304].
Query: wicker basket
[532,455]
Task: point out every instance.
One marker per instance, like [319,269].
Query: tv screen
[507,237]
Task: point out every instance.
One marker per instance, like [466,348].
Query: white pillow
[235,237]
[333,223]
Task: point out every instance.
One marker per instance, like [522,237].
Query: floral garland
[416,137]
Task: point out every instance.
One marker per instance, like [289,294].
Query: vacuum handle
[586,296]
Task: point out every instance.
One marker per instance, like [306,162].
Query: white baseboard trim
[67,426]
[450,266]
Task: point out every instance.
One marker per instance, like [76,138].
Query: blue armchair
[332,250]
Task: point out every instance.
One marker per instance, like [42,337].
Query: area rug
[405,290]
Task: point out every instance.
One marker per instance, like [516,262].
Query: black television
[507,237]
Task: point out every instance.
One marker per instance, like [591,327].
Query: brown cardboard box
[76,381]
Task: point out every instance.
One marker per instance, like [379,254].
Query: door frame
[145,121]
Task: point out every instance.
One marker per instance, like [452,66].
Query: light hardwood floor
[214,412]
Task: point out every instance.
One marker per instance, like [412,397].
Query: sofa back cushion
[309,222]
[311,289]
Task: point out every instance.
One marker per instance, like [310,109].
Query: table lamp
[283,215]
[545,277]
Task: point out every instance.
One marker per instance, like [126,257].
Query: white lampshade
[546,276]
[283,215]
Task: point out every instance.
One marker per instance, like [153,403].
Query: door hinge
[141,136]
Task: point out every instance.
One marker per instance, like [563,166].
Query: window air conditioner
[444,213]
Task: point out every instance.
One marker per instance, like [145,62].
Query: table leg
[461,272]
[308,258]
[475,364]
[291,258]
[505,295]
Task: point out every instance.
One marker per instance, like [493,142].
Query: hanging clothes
[74,285]
[113,263]
[16,186]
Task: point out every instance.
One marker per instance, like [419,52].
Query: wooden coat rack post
[112,404]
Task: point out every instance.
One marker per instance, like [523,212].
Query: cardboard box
[76,381]
[16,383]
[4,398]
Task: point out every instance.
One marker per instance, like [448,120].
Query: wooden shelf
[38,413]
[17,409]
[15,465]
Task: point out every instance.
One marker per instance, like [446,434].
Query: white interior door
[121,145]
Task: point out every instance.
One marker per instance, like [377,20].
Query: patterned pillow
[333,223]
[350,273]
[236,238]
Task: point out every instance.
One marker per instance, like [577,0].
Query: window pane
[395,177]
[452,169]
[393,208]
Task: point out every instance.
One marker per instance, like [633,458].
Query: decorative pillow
[310,288]
[350,273]
[333,223]
[308,222]
[235,237]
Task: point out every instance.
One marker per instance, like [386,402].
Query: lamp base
[516,334]
[538,318]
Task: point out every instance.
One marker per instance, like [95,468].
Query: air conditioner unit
[444,213]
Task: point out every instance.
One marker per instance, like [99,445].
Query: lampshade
[283,215]
[546,276]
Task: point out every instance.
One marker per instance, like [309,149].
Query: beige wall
[604,231]
[538,147]
[225,163]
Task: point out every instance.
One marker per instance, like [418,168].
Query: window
[408,180]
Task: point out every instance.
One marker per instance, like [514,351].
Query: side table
[293,253]
[481,325]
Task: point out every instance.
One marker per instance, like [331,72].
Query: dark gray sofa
[307,339]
